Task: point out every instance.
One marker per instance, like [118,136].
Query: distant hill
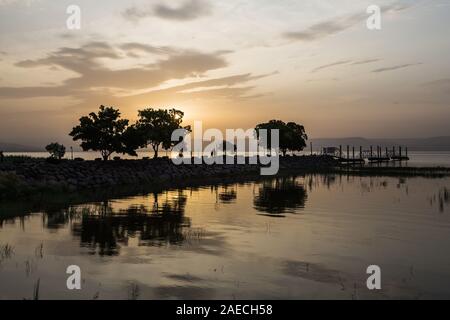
[13,147]
[413,144]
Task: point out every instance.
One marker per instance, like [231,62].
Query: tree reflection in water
[280,195]
[225,193]
[103,229]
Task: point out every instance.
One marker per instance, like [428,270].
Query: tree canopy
[292,135]
[155,127]
[104,132]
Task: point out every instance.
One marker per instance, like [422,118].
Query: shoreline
[31,177]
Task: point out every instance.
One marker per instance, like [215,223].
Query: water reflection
[221,241]
[280,195]
[102,229]
[441,199]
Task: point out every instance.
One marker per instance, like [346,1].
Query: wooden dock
[372,156]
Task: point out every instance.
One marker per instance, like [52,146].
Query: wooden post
[348,152]
[310,144]
[400,150]
[371,151]
[353,152]
[387,152]
[340,151]
[393,151]
[360,152]
[406,151]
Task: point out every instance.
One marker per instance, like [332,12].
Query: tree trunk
[155,149]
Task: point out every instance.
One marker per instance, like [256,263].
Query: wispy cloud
[344,62]
[365,61]
[440,82]
[325,66]
[440,85]
[401,66]
[336,25]
[188,10]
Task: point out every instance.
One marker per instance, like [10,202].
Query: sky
[228,63]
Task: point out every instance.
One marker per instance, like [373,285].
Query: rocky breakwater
[36,175]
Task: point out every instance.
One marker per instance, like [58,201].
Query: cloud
[440,82]
[189,10]
[135,49]
[324,29]
[135,14]
[344,62]
[401,66]
[441,85]
[174,64]
[365,61]
[94,80]
[325,66]
[336,25]
[217,88]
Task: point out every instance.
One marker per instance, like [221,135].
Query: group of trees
[107,133]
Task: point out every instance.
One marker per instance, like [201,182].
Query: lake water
[304,237]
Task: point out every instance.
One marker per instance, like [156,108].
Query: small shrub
[56,150]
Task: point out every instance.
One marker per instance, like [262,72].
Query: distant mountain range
[413,144]
[13,147]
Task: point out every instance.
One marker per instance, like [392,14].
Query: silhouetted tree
[56,150]
[156,126]
[292,135]
[105,132]
[296,136]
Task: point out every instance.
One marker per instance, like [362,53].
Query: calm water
[295,238]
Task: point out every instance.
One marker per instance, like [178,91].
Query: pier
[360,156]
